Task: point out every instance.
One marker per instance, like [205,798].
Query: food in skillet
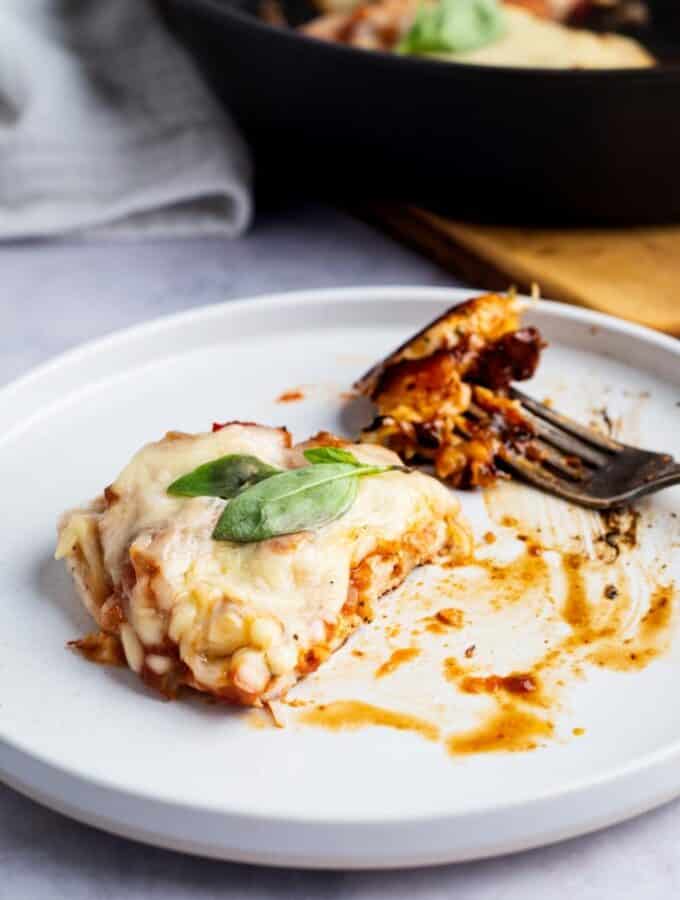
[571,11]
[235,563]
[519,33]
[442,397]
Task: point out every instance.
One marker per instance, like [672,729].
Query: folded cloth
[104,120]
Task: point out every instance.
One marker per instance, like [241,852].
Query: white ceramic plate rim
[20,391]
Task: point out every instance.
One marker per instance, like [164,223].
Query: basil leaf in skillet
[223,477]
[297,500]
[454,26]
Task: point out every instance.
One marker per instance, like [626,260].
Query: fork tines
[578,463]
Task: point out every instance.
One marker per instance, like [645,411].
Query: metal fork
[581,465]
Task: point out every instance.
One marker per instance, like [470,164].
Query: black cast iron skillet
[490,144]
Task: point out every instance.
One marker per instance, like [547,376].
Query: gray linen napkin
[104,121]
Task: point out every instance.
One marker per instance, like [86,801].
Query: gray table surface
[54,296]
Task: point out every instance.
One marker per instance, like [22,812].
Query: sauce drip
[350,715]
[512,581]
[576,610]
[100,647]
[259,720]
[396,660]
[444,620]
[451,616]
[595,628]
[520,684]
[652,638]
[293,396]
[452,669]
[507,729]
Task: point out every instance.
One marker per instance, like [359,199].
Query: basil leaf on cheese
[223,477]
[320,455]
[297,500]
[454,26]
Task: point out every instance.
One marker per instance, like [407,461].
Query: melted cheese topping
[533,42]
[237,614]
[529,40]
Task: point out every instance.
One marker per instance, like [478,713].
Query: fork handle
[665,479]
[655,482]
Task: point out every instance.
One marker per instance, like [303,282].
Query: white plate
[96,745]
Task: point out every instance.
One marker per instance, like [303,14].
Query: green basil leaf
[331,455]
[223,477]
[454,26]
[297,500]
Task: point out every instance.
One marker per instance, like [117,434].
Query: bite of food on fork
[445,399]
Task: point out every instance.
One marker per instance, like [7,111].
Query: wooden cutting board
[629,272]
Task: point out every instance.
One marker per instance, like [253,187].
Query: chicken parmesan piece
[442,397]
[244,621]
